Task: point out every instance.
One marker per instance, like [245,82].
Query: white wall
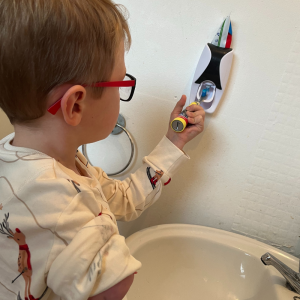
[5,126]
[243,175]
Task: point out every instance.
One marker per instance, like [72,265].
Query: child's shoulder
[28,172]
[21,162]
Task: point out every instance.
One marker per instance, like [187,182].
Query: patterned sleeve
[96,259]
[129,198]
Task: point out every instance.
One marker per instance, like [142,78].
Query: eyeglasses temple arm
[54,107]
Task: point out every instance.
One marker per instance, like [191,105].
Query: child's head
[48,44]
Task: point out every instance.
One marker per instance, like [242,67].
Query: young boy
[58,236]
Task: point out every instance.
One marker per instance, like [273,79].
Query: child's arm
[129,198]
[96,260]
[117,292]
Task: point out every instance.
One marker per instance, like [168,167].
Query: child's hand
[196,117]
[117,292]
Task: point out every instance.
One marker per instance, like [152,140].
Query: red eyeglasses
[126,87]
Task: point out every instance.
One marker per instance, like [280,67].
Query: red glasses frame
[53,109]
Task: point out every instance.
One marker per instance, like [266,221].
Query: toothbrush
[204,94]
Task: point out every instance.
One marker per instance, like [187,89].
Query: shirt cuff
[166,157]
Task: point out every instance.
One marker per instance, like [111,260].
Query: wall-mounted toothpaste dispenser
[211,75]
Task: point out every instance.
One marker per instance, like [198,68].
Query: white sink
[195,262]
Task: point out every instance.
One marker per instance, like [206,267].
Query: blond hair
[45,43]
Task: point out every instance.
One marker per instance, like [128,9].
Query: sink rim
[231,239]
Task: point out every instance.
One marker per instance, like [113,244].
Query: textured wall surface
[243,175]
[270,207]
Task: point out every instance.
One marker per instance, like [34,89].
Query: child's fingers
[194,114]
[196,120]
[194,107]
[178,107]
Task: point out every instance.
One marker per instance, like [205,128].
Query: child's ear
[72,104]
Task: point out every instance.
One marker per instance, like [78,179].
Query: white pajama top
[58,233]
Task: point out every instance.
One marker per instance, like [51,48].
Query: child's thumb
[179,106]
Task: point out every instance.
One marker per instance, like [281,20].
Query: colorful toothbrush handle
[180,123]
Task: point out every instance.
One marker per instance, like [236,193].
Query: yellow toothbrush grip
[179,124]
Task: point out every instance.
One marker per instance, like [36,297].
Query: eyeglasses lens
[125,92]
